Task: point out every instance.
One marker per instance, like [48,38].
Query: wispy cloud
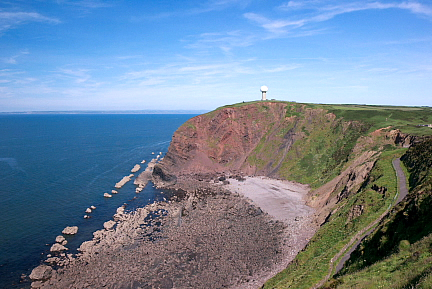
[78,75]
[204,7]
[274,26]
[9,20]
[281,68]
[91,4]
[13,59]
[128,57]
[320,11]
[191,73]
[225,41]
[213,5]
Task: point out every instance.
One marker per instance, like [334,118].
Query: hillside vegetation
[401,246]
[345,153]
[399,253]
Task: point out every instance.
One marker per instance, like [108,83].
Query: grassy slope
[321,150]
[399,253]
[327,143]
[315,161]
[311,265]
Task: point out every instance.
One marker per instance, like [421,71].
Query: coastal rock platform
[206,238]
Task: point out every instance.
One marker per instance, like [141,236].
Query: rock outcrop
[41,272]
[70,230]
[135,168]
[58,248]
[123,181]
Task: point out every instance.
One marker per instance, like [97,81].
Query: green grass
[399,253]
[320,156]
[410,266]
[405,118]
[312,264]
[322,149]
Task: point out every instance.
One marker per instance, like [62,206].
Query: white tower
[264,90]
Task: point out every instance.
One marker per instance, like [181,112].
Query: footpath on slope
[362,234]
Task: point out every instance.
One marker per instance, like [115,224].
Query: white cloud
[10,19]
[92,4]
[225,41]
[319,11]
[274,26]
[282,68]
[13,59]
[79,75]
[188,72]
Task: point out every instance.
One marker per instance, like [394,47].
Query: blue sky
[138,55]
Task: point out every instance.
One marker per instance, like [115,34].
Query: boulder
[58,248]
[88,210]
[120,210]
[36,284]
[86,246]
[114,192]
[53,260]
[106,195]
[60,239]
[93,207]
[109,225]
[41,272]
[70,230]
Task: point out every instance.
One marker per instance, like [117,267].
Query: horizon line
[146,111]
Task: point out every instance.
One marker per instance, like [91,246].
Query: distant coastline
[109,112]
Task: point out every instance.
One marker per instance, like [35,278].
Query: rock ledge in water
[70,230]
[58,248]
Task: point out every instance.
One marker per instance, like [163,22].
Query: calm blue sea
[53,167]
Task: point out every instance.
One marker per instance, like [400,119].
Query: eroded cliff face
[252,139]
[220,141]
[280,140]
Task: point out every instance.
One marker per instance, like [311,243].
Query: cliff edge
[281,140]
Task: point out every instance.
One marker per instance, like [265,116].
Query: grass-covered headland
[333,143]
[345,153]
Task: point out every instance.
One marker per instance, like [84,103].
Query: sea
[55,166]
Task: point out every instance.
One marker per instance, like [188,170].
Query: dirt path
[358,238]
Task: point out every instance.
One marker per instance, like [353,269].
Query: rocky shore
[205,238]
[216,231]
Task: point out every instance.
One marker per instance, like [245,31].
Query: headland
[235,221]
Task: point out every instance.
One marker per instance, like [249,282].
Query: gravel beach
[220,237]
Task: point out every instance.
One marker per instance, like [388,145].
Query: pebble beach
[221,236]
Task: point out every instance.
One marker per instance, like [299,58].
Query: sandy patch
[283,200]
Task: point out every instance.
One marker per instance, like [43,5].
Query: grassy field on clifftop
[405,118]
